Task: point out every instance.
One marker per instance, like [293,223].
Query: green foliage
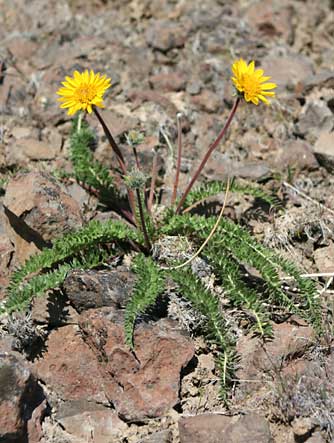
[230,250]
[149,285]
[239,293]
[80,247]
[216,330]
[212,188]
[87,170]
[232,240]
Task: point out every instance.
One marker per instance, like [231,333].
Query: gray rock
[315,117]
[159,437]
[103,424]
[165,35]
[324,79]
[287,71]
[94,289]
[324,150]
[215,428]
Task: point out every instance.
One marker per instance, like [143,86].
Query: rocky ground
[164,57]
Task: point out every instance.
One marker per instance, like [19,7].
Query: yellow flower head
[250,82]
[83,90]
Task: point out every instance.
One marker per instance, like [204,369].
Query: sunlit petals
[250,82]
[82,91]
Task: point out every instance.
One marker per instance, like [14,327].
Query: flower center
[251,85]
[86,93]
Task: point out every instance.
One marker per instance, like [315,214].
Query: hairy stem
[142,220]
[208,154]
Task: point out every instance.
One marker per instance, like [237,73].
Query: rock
[215,428]
[165,35]
[251,427]
[26,149]
[324,79]
[302,427]
[269,20]
[208,101]
[38,209]
[34,427]
[316,438]
[316,117]
[145,384]
[219,167]
[94,289]
[158,437]
[70,370]
[296,154]
[291,340]
[287,71]
[324,258]
[53,309]
[101,425]
[168,82]
[324,150]
[208,428]
[6,248]
[20,394]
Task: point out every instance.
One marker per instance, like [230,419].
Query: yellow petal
[269,86]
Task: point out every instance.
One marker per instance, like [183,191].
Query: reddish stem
[119,156]
[207,155]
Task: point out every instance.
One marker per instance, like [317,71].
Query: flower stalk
[119,156]
[208,154]
[142,220]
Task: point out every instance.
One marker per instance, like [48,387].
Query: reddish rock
[69,368]
[168,82]
[324,258]
[165,35]
[19,395]
[6,248]
[38,209]
[269,20]
[296,154]
[34,427]
[249,428]
[291,340]
[215,428]
[208,101]
[146,384]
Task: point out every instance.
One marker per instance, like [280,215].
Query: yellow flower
[83,90]
[250,82]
